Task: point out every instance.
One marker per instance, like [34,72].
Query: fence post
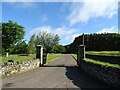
[80,54]
[39,53]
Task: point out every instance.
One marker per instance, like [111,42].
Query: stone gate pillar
[80,54]
[39,53]
[44,56]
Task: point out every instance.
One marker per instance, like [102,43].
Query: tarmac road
[61,72]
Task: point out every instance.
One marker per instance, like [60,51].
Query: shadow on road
[81,79]
[8,84]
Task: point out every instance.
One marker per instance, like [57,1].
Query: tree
[12,33]
[59,49]
[96,42]
[48,40]
[1,39]
[21,48]
[32,44]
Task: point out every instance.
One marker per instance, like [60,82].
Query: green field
[105,53]
[18,58]
[53,56]
[102,63]
[97,62]
[31,57]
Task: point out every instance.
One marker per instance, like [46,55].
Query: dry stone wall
[10,68]
[107,74]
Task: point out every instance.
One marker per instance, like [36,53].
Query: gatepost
[39,53]
[44,55]
[80,54]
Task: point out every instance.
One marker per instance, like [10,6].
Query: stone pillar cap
[81,45]
[39,46]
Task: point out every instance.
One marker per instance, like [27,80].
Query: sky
[67,19]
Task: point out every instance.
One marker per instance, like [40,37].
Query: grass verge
[102,63]
[18,58]
[74,56]
[31,57]
[53,56]
[97,62]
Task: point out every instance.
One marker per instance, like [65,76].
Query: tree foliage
[48,40]
[96,42]
[32,44]
[21,48]
[12,33]
[59,49]
[0,38]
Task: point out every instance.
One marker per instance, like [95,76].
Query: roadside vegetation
[105,53]
[97,62]
[53,56]
[102,63]
[18,58]
[22,57]
[74,56]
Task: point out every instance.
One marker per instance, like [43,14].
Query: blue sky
[67,19]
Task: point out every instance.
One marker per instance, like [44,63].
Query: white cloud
[61,31]
[41,29]
[66,34]
[64,31]
[92,9]
[72,37]
[109,30]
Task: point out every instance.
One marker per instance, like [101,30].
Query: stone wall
[107,74]
[10,68]
[110,59]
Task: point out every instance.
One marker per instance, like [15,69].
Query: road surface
[61,72]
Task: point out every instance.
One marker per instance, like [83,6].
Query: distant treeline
[96,42]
